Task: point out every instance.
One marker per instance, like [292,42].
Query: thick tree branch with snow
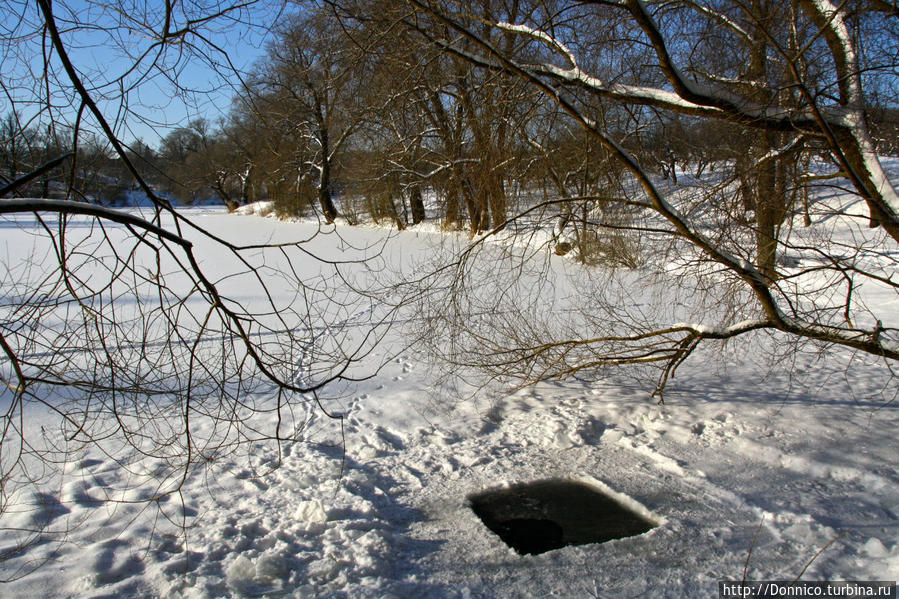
[796,60]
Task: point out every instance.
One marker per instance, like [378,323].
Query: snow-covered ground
[752,467]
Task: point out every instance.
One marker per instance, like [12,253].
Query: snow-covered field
[752,467]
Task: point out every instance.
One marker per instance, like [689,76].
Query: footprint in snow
[80,495]
[88,463]
[391,439]
[116,562]
[47,508]
[250,478]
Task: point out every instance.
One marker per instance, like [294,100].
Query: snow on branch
[543,37]
[720,17]
[830,19]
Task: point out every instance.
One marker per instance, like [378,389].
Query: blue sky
[114,45]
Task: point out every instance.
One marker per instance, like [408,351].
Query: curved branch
[72,207]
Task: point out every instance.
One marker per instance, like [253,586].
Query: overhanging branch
[47,166]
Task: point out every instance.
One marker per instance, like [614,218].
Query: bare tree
[310,85]
[742,266]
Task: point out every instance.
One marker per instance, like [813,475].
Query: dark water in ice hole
[541,516]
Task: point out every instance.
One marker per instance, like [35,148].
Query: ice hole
[541,516]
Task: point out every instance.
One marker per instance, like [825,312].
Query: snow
[757,460]
[877,174]
[543,37]
[257,209]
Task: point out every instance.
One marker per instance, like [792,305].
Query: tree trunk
[390,206]
[452,217]
[417,204]
[474,205]
[877,206]
[324,183]
[497,198]
[768,204]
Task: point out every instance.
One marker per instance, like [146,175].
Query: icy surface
[742,457]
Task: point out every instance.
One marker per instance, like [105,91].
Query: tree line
[351,114]
[367,110]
